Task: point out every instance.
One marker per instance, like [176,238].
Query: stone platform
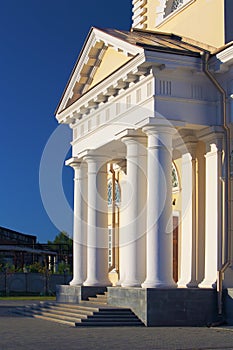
[74,294]
[154,307]
[168,307]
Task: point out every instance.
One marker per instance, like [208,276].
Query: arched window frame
[175,179]
[117,193]
[168,8]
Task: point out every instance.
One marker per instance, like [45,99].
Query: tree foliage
[62,238]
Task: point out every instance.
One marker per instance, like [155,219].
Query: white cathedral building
[151,110]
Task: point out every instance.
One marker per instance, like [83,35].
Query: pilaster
[214,211]
[188,256]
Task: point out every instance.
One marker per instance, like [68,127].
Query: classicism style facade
[151,112]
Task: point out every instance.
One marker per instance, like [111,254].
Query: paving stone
[18,333]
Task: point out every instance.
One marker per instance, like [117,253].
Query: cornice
[226,58]
[100,93]
[123,78]
[97,41]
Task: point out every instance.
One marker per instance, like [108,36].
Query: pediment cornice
[108,88]
[89,59]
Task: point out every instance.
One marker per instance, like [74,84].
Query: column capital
[212,135]
[159,121]
[159,136]
[74,162]
[95,157]
[186,143]
[130,133]
[159,129]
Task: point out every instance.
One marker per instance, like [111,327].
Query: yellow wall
[152,6]
[110,62]
[202,20]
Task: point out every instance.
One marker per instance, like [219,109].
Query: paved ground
[18,333]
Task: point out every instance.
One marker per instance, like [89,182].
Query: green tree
[62,238]
[63,245]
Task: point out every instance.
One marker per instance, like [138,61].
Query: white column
[97,237]
[213,221]
[135,230]
[80,222]
[188,222]
[159,208]
[122,229]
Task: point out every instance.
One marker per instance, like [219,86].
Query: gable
[111,61]
[101,55]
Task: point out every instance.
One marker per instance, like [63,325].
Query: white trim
[160,21]
[96,37]
[225,55]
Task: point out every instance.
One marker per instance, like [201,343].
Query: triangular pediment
[101,55]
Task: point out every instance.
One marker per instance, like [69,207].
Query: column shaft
[80,224]
[122,229]
[97,238]
[159,209]
[135,230]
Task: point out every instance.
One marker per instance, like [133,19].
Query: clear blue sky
[40,42]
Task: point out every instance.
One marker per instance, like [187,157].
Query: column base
[76,282]
[207,284]
[90,283]
[184,284]
[159,284]
[192,284]
[131,284]
[119,283]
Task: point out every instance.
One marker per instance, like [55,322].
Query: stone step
[97,300]
[95,320]
[110,315]
[64,310]
[50,314]
[51,311]
[109,324]
[84,314]
[102,296]
[69,323]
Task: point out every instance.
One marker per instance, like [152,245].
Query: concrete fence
[31,283]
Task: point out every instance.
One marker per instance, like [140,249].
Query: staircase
[93,312]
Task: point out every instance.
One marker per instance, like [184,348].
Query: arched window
[117,193]
[176,4]
[175,179]
[172,5]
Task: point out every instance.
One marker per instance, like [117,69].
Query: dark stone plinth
[228,305]
[74,294]
[168,307]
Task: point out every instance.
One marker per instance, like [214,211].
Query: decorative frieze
[105,113]
[197,91]
[165,87]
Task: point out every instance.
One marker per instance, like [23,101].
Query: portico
[155,120]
